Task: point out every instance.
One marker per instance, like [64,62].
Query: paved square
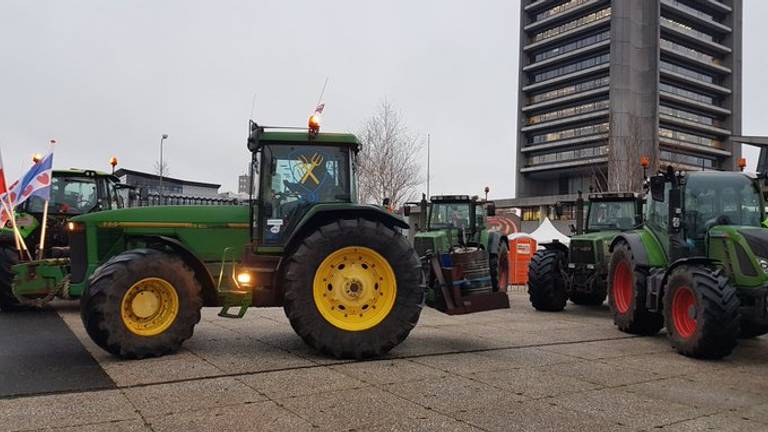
[509,370]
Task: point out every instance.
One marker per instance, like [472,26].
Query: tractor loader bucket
[36,283]
[455,295]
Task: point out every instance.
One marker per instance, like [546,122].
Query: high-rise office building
[604,82]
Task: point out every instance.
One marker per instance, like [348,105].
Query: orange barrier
[521,250]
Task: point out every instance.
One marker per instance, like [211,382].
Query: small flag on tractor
[319,109]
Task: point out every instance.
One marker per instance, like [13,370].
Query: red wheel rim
[684,312]
[622,288]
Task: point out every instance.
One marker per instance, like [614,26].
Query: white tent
[547,233]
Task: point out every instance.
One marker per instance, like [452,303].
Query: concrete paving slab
[64,410]
[533,383]
[537,416]
[628,409]
[452,394]
[164,399]
[388,371]
[431,422]
[731,378]
[465,363]
[758,413]
[598,373]
[261,416]
[526,357]
[606,349]
[353,409]
[242,354]
[717,422]
[300,382]
[163,369]
[113,426]
[696,394]
[666,364]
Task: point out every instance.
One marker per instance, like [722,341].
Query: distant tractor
[579,271]
[467,265]
[698,265]
[349,282]
[73,193]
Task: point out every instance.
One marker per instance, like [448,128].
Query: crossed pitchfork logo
[309,166]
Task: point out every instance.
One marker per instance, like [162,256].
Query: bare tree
[162,170]
[623,172]
[388,165]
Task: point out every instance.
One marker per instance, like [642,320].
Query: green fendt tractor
[349,282]
[467,264]
[73,193]
[579,271]
[698,265]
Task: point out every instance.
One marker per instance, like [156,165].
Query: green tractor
[349,282]
[467,264]
[73,192]
[579,271]
[698,265]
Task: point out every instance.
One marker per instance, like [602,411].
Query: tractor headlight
[245,278]
[75,227]
[763,263]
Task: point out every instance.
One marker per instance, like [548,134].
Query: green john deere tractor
[349,282]
[579,271]
[698,265]
[467,264]
[73,192]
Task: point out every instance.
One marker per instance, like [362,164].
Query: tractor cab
[620,211]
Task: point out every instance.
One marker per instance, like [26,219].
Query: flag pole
[17,234]
[40,253]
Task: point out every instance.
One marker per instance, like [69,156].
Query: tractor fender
[322,215]
[494,239]
[210,296]
[635,243]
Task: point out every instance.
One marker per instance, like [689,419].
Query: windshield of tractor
[69,195]
[611,215]
[301,176]
[720,200]
[449,215]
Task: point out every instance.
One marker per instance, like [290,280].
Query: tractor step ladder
[232,298]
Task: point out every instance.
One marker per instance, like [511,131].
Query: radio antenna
[322,92]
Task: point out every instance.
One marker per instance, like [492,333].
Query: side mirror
[490,209]
[657,188]
[406,210]
[573,229]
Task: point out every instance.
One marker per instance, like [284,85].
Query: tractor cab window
[301,176]
[449,215]
[612,215]
[716,200]
[69,195]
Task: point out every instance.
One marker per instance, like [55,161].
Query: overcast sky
[109,77]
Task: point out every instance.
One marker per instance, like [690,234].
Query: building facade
[244,184]
[605,82]
[167,185]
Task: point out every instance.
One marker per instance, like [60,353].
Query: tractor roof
[613,196]
[304,138]
[452,199]
[76,172]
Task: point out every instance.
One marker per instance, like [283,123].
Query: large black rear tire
[750,329]
[627,294]
[547,288]
[701,311]
[8,258]
[311,268]
[103,305]
[499,265]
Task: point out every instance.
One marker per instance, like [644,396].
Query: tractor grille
[582,252]
[422,244]
[78,256]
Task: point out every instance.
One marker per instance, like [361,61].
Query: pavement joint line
[137,411]
[277,401]
[316,365]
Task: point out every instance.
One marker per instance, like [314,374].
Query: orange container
[521,250]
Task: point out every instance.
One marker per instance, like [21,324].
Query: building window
[531,213]
[569,112]
[571,89]
[692,11]
[688,29]
[688,94]
[572,67]
[691,73]
[554,31]
[568,155]
[560,8]
[679,158]
[689,138]
[687,115]
[690,52]
[572,46]
[569,133]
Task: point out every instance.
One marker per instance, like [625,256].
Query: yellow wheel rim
[354,288]
[149,307]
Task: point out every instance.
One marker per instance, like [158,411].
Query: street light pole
[162,168]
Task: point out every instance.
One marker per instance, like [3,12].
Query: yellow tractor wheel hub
[149,307]
[354,288]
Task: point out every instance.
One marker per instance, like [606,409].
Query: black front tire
[630,315]
[499,265]
[8,258]
[303,313]
[100,306]
[547,288]
[715,305]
